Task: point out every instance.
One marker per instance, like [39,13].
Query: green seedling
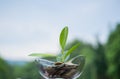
[64,55]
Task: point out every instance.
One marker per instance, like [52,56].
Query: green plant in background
[64,55]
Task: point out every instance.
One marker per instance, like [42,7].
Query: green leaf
[41,55]
[71,50]
[63,37]
[59,58]
[67,58]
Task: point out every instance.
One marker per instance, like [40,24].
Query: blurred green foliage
[6,71]
[113,53]
[102,61]
[27,71]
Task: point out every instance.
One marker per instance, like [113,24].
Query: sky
[33,26]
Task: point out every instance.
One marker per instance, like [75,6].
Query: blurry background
[33,26]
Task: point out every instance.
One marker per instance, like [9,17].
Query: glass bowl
[57,70]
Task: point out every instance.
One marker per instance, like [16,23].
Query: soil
[61,70]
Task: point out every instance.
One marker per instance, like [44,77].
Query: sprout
[64,55]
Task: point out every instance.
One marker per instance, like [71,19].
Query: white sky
[28,26]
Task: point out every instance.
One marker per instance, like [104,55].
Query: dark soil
[61,70]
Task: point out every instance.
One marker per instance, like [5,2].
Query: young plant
[64,55]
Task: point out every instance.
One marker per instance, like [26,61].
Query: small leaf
[67,58]
[63,37]
[41,55]
[71,50]
[59,58]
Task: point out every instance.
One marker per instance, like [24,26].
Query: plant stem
[63,55]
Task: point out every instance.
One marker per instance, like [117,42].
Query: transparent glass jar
[57,70]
